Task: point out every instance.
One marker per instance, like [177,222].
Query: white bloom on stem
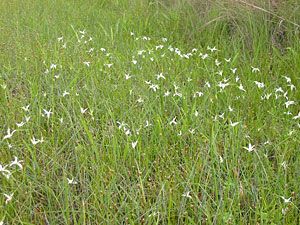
[8,197]
[47,113]
[134,144]
[187,195]
[26,108]
[82,110]
[255,69]
[233,124]
[65,93]
[86,63]
[259,84]
[9,134]
[36,141]
[20,124]
[286,200]
[72,181]
[4,171]
[250,147]
[173,122]
[16,162]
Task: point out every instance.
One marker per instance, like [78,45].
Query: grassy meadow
[149,112]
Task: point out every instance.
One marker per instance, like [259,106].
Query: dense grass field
[149,112]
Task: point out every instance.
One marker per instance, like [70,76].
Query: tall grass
[115,148]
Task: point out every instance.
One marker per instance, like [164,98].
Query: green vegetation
[149,112]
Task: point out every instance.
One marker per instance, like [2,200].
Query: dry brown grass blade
[267,11]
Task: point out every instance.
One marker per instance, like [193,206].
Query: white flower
[233,124]
[134,61]
[109,65]
[82,110]
[228,60]
[297,117]
[140,100]
[82,32]
[288,79]
[198,94]
[167,93]
[221,159]
[127,76]
[192,131]
[173,121]
[72,181]
[266,96]
[259,84]
[91,50]
[284,165]
[288,103]
[220,72]
[134,144]
[217,62]
[292,87]
[4,171]
[286,200]
[148,124]
[175,87]
[154,87]
[189,79]
[159,47]
[87,63]
[233,70]
[221,115]
[36,141]
[127,131]
[241,87]
[255,70]
[160,76]
[177,94]
[203,56]
[279,89]
[223,85]
[9,134]
[16,162]
[20,124]
[65,93]
[207,84]
[47,113]
[250,147]
[26,108]
[53,66]
[187,195]
[212,49]
[8,197]
[121,125]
